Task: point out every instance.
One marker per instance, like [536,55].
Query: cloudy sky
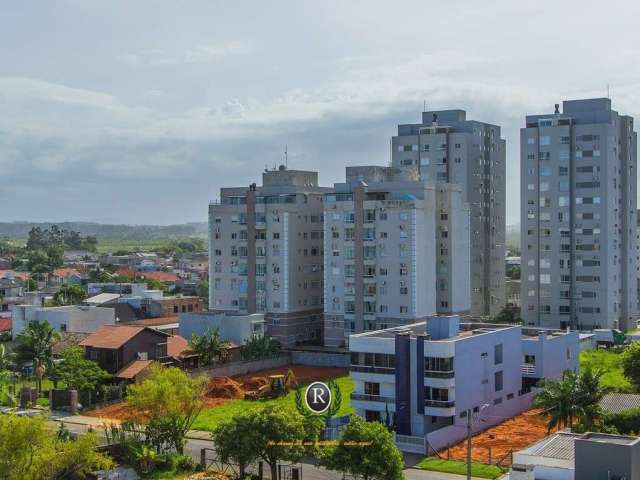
[139,111]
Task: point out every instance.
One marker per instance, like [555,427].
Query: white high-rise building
[579,217]
[396,251]
[446,147]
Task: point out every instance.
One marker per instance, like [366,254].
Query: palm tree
[589,393]
[209,347]
[557,400]
[35,345]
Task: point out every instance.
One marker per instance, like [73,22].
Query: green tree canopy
[77,372]
[235,440]
[69,295]
[259,346]
[168,402]
[631,364]
[280,434]
[209,347]
[366,450]
[29,450]
[35,345]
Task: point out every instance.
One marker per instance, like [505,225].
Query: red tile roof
[133,369]
[113,336]
[5,324]
[176,345]
[20,275]
[65,272]
[159,276]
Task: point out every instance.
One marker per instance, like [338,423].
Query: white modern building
[425,379]
[266,254]
[447,147]
[236,328]
[72,318]
[395,252]
[579,218]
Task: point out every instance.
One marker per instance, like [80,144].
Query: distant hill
[20,230]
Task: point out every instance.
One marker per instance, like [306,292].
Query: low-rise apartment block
[428,377]
[396,251]
[266,253]
[72,318]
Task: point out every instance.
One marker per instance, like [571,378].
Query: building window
[371,388]
[372,415]
[497,354]
[498,380]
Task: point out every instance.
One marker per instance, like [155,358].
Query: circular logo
[318,397]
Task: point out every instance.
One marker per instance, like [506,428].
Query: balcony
[439,404]
[439,374]
[372,398]
[372,369]
[528,369]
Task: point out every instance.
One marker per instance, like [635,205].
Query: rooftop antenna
[424,106]
[608,92]
[286,157]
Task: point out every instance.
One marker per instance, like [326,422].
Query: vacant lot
[224,397]
[511,435]
[609,361]
[478,470]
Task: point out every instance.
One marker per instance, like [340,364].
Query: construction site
[263,384]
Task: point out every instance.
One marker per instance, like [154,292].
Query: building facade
[426,378]
[396,251]
[266,254]
[446,147]
[579,217]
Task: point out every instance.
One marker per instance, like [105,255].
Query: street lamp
[469,435]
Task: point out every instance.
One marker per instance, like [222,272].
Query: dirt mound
[254,383]
[114,411]
[224,387]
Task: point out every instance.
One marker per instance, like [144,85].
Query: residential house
[127,350]
[71,318]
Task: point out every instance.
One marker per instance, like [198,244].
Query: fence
[210,460]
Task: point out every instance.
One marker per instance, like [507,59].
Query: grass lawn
[208,419]
[609,361]
[480,470]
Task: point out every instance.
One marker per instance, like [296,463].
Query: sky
[138,112]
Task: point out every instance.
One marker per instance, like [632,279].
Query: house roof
[176,345]
[114,336]
[102,298]
[5,324]
[133,369]
[560,446]
[66,272]
[619,402]
[160,276]
[156,322]
[68,339]
[13,274]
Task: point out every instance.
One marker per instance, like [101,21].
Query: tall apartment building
[396,251]
[446,147]
[266,253]
[579,217]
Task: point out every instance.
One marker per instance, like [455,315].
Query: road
[309,471]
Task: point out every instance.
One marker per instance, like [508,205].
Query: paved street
[199,440]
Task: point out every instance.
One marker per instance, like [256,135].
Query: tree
[202,289]
[209,347]
[631,364]
[556,399]
[29,450]
[77,372]
[259,346]
[366,450]
[168,401]
[69,295]
[31,285]
[507,315]
[589,393]
[235,440]
[514,273]
[34,345]
[280,435]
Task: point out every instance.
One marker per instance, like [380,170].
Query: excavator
[276,386]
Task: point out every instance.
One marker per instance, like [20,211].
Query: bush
[627,422]
[43,402]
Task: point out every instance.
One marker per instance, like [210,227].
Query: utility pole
[469,432]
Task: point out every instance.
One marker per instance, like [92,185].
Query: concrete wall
[320,359]
[77,319]
[242,368]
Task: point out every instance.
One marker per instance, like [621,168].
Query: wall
[77,319]
[494,414]
[242,368]
[320,359]
[233,328]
